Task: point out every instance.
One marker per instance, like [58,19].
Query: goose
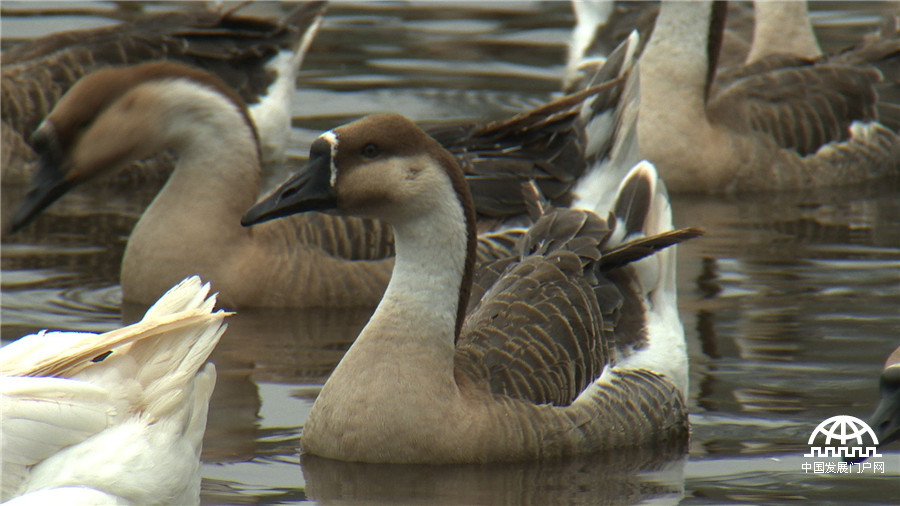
[777,129]
[113,418]
[571,345]
[121,114]
[117,115]
[783,36]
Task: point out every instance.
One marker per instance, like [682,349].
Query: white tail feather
[133,402]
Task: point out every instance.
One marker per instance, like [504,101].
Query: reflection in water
[626,476]
[789,301]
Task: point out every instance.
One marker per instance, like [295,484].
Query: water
[790,302]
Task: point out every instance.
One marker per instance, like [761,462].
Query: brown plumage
[779,123]
[567,345]
[193,224]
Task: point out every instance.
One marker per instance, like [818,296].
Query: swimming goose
[257,57]
[118,115]
[115,417]
[783,37]
[572,345]
[778,129]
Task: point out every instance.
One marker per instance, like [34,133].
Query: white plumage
[111,418]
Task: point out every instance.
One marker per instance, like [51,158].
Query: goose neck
[676,63]
[431,259]
[782,27]
[217,166]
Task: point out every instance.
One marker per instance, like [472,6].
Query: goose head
[385,167]
[382,166]
[116,116]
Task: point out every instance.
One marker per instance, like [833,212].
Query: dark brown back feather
[801,108]
[545,144]
[543,324]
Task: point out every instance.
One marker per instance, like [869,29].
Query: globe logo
[844,430]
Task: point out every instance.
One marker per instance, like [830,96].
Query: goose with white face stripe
[571,344]
[259,58]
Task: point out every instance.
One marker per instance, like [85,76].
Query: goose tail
[591,17]
[611,132]
[272,114]
[643,217]
[133,398]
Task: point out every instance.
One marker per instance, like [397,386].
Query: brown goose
[571,345]
[787,128]
[117,115]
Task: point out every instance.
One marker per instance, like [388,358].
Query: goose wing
[539,331]
[799,107]
[545,144]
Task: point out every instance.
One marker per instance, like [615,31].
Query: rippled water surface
[791,303]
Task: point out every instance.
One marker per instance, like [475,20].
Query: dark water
[791,302]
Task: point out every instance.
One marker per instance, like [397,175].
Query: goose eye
[370,150]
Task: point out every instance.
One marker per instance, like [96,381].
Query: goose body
[112,418]
[776,129]
[548,351]
[115,116]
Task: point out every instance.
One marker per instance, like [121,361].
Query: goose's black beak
[310,189]
[49,183]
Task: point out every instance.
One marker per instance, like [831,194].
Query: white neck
[673,75]
[673,67]
[193,224]
[782,27]
[417,315]
[217,174]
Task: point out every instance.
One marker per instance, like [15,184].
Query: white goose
[573,344]
[112,418]
[787,128]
